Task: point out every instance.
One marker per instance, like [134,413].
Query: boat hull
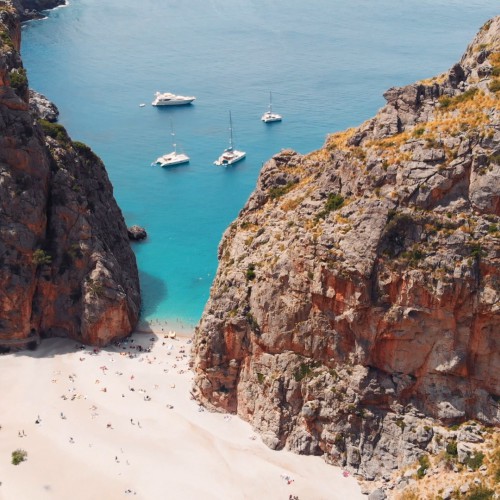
[159,102]
[170,160]
[271,117]
[226,159]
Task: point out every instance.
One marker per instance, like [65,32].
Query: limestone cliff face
[357,295]
[66,267]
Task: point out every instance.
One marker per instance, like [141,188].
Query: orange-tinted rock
[358,292]
[66,266]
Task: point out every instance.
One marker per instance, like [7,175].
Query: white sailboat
[269,116]
[230,155]
[173,158]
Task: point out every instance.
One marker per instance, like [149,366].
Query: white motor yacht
[269,116]
[169,99]
[230,155]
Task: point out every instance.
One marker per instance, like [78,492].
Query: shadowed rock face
[66,267]
[32,9]
[357,295]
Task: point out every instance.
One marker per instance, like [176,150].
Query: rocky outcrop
[42,108]
[137,233]
[357,296]
[66,267]
[33,9]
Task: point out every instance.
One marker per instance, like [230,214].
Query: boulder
[377,494]
[137,233]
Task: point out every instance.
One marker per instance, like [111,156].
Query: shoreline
[123,415]
[163,327]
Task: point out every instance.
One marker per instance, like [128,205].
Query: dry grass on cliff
[439,79]
[445,473]
[339,140]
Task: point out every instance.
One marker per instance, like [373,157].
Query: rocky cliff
[33,9]
[357,300]
[66,266]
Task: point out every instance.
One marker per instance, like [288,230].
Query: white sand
[166,453]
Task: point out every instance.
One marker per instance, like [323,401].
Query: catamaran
[230,155]
[269,116]
[173,158]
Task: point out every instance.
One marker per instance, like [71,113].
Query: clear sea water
[326,61]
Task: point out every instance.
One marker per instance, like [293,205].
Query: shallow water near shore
[327,63]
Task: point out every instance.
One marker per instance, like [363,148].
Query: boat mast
[230,132]
[270,102]
[172,133]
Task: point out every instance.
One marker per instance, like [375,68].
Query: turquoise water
[326,61]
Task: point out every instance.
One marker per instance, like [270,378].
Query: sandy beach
[119,423]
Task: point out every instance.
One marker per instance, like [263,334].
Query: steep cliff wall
[357,295]
[66,266]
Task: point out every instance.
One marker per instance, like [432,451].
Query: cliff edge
[357,298]
[66,266]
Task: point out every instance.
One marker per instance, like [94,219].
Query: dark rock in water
[42,108]
[137,233]
[42,4]
[32,9]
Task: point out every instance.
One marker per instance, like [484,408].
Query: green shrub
[451,102]
[476,250]
[419,132]
[260,378]
[82,148]
[451,449]
[19,456]
[279,191]
[250,272]
[413,255]
[475,461]
[6,39]
[18,79]
[54,130]
[301,372]
[333,202]
[95,288]
[494,86]
[424,466]
[494,158]
[41,257]
[480,492]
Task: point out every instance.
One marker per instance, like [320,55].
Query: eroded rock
[357,295]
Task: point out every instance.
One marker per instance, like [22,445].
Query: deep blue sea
[327,63]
